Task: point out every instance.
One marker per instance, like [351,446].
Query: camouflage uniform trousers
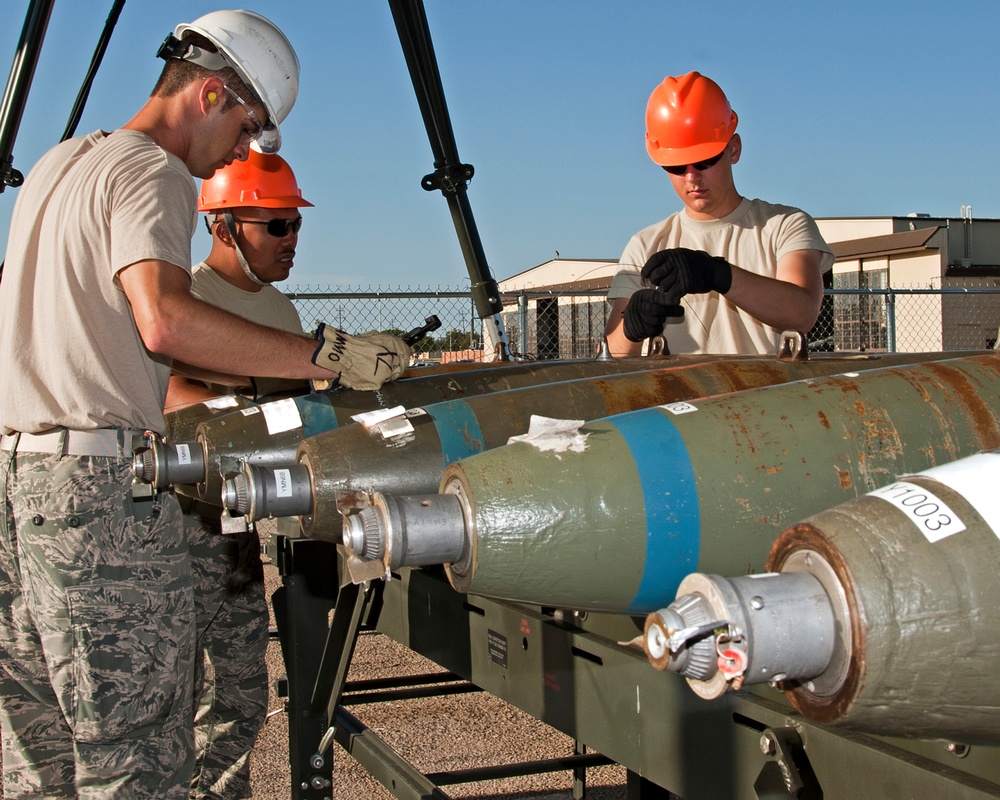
[97,633]
[231,676]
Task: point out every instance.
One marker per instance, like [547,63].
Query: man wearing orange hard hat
[253,214]
[726,274]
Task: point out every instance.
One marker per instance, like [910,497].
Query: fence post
[472,329]
[890,320]
[522,321]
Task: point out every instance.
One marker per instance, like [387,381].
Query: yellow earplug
[213,98]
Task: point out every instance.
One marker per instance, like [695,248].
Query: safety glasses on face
[276,227]
[253,128]
[699,166]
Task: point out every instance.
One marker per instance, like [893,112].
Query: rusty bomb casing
[182,423]
[917,571]
[269,433]
[408,455]
[612,515]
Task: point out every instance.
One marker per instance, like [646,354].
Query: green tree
[460,340]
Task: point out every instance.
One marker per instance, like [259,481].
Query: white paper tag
[283,482]
[222,401]
[371,418]
[281,416]
[554,435]
[183,454]
[977,479]
[929,513]
[680,407]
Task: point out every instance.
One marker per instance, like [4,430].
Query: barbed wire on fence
[569,322]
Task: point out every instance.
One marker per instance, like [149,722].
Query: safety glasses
[699,166]
[276,227]
[254,127]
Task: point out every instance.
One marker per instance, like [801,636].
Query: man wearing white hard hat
[97,629]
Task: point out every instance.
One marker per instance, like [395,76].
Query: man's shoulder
[659,227]
[763,209]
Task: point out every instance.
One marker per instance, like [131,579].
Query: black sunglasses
[276,227]
[700,166]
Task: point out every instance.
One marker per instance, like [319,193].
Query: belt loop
[13,449]
[63,435]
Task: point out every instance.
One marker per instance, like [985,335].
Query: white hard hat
[261,55]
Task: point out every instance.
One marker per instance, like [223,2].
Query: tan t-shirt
[754,237]
[70,352]
[267,307]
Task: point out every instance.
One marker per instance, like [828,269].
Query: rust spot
[823,420]
[981,414]
[845,478]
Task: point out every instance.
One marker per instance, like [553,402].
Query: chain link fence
[570,324]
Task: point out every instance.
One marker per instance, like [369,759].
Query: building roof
[563,275]
[889,244]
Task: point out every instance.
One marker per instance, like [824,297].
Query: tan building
[947,269]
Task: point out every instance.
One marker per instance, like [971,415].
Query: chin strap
[227,216]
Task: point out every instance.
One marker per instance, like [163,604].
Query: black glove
[646,312]
[680,271]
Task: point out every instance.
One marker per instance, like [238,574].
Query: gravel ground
[435,734]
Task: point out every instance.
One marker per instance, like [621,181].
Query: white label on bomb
[928,512]
[283,482]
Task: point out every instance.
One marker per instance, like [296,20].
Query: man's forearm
[210,376]
[618,345]
[790,301]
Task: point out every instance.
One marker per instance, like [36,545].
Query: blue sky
[846,109]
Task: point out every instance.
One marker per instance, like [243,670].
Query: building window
[860,320]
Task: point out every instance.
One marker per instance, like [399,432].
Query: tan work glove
[365,361]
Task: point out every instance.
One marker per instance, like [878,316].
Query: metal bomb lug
[408,454]
[613,515]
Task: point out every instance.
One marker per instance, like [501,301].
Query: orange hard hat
[688,119]
[263,181]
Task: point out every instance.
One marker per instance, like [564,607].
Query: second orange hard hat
[263,181]
[688,119]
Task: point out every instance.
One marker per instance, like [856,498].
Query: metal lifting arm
[16,94]
[451,176]
[95,62]
[22,72]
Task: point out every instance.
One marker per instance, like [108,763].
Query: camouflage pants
[231,679]
[96,633]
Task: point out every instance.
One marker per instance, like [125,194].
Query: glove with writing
[364,361]
[646,312]
[680,271]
